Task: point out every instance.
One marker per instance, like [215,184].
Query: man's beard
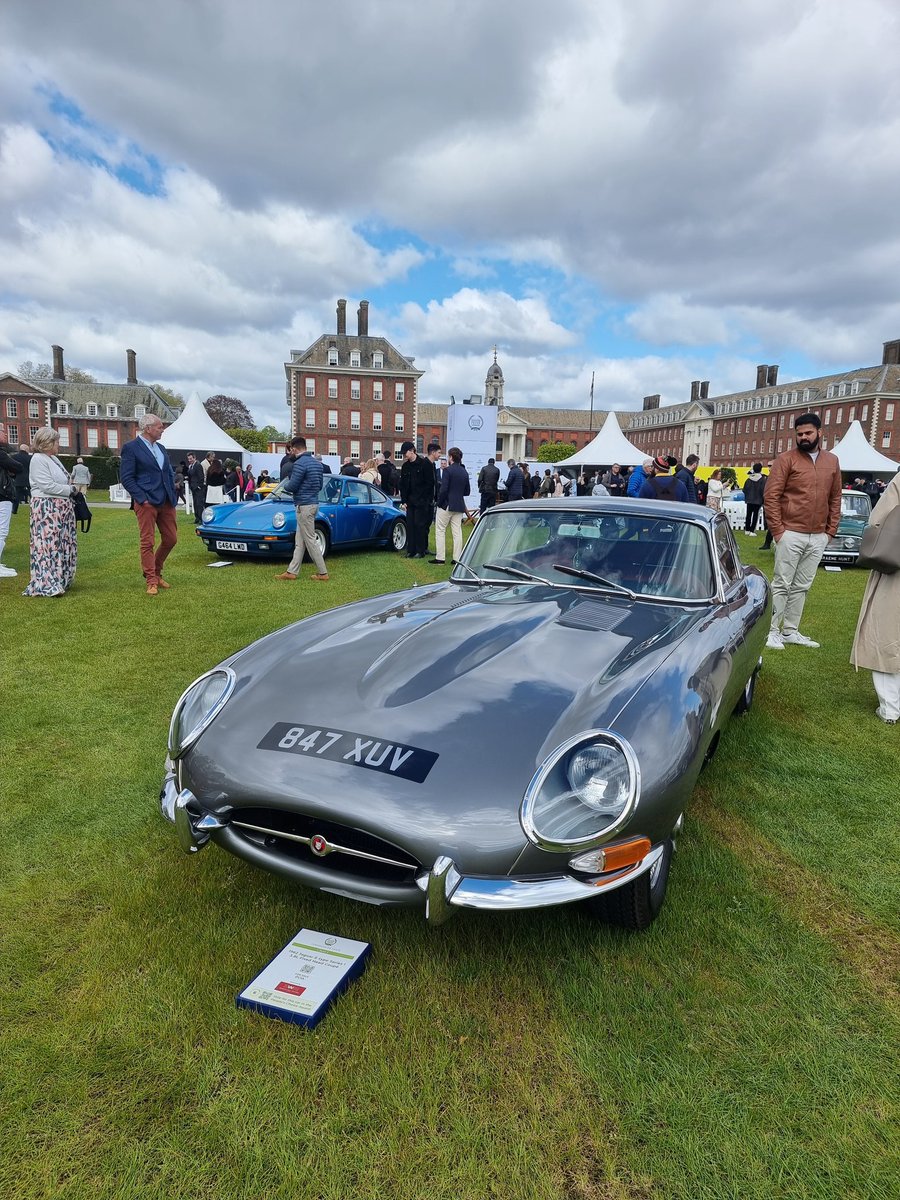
[809,447]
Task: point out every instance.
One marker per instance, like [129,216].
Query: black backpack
[664,487]
[82,512]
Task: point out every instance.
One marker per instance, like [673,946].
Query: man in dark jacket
[686,474]
[754,487]
[660,485]
[304,484]
[286,466]
[23,490]
[197,484]
[614,481]
[451,506]
[387,473]
[417,494]
[515,481]
[488,481]
[148,478]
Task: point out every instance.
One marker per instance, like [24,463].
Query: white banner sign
[473,428]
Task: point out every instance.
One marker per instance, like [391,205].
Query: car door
[360,514]
[739,607]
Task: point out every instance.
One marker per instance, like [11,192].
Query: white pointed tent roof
[855,453]
[608,447]
[196,430]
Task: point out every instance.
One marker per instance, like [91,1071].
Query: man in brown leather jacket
[802,503]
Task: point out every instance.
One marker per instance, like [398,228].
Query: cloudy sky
[651,190]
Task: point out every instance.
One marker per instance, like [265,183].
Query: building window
[12,409]
[378,360]
[311,445]
[829,391]
[12,432]
[354,389]
[32,432]
[112,410]
[34,409]
[398,422]
[354,420]
[112,439]
[839,416]
[781,422]
[807,392]
[354,449]
[92,410]
[310,418]
[376,422]
[354,358]
[864,415]
[310,385]
[827,416]
[140,410]
[852,414]
[62,409]
[63,432]
[753,450]
[780,444]
[399,392]
[854,388]
[889,412]
[756,426]
[332,420]
[92,439]
[885,439]
[376,391]
[332,445]
[332,357]
[332,389]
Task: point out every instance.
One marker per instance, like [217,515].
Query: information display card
[305,977]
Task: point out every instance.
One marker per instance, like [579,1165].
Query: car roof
[655,508]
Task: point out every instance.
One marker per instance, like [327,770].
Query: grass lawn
[746,1046]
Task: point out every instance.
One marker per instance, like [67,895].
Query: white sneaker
[750,532]
[774,641]
[799,639]
[879,713]
[7,572]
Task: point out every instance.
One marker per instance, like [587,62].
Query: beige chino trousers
[797,557]
[306,540]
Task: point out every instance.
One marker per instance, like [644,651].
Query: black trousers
[420,518]
[198,499]
[488,500]
[752,518]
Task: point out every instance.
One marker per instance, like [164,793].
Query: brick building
[87,416]
[353,395]
[738,428]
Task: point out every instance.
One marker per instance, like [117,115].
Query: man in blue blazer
[147,476]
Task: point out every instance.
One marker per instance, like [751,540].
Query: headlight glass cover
[198,707]
[582,793]
[278,521]
[206,516]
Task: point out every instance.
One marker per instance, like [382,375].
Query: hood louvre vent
[595,615]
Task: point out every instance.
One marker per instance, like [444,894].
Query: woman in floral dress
[54,549]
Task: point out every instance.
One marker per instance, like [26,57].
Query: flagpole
[591,421]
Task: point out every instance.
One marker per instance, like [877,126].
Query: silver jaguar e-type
[527,733]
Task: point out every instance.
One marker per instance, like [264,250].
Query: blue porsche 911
[351,514]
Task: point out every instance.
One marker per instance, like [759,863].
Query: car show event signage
[473,428]
[303,979]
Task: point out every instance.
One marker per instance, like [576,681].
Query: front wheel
[636,905]
[745,701]
[323,537]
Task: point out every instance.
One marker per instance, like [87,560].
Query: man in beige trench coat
[876,645]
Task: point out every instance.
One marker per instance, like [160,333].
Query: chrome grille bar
[331,847]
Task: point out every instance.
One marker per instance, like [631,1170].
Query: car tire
[745,703]
[323,537]
[398,535]
[637,904]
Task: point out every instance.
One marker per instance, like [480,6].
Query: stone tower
[493,384]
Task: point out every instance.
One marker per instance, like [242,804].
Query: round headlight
[198,707]
[278,521]
[206,516]
[581,794]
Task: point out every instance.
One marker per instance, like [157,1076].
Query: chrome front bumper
[444,888]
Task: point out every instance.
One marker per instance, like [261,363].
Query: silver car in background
[526,734]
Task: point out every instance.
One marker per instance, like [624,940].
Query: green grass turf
[744,1047]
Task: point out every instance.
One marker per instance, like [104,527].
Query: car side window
[726,552]
[354,490]
[331,492]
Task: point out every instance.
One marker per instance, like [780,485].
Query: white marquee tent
[855,453]
[196,430]
[608,447]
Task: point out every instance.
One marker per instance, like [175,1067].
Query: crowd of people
[799,498]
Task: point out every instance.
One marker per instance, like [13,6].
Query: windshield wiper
[466,567]
[617,587]
[516,573]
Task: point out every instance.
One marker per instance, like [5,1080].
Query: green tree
[273,435]
[173,399]
[229,413]
[254,440]
[728,476]
[552,452]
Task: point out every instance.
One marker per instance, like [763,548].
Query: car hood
[485,681]
[249,515]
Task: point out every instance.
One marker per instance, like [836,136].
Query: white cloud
[469,317]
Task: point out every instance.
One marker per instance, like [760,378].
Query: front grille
[384,862]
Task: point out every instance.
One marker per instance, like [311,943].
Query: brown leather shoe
[152,589]
[286,575]
[165,586]
[320,578]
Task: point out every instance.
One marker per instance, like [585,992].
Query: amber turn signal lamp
[625,854]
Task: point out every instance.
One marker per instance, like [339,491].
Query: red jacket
[802,495]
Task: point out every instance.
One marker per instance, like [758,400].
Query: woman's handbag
[880,547]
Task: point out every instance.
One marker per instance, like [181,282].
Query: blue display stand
[303,979]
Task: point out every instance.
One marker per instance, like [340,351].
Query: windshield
[330,491]
[645,555]
[856,505]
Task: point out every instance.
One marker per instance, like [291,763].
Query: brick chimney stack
[772,376]
[695,390]
[651,402]
[704,390]
[131,359]
[761,373]
[891,356]
[59,370]
[342,318]
[362,318]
